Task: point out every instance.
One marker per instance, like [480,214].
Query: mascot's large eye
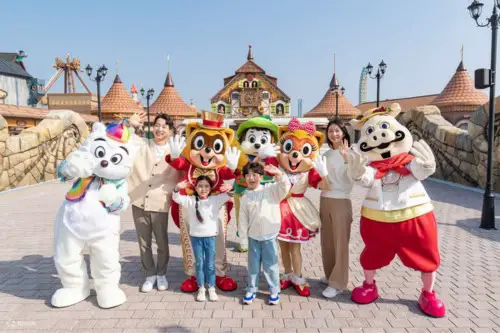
[218,146]
[100,152]
[306,149]
[263,140]
[384,125]
[251,139]
[116,158]
[370,130]
[287,146]
[199,142]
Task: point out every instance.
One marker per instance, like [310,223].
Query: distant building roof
[169,102]
[460,94]
[118,100]
[406,103]
[10,68]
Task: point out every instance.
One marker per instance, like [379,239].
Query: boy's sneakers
[248,298]
[161,282]
[201,295]
[212,295]
[148,285]
[274,299]
[331,292]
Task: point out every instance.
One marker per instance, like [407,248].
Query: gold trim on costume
[395,216]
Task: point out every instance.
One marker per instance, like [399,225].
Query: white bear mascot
[90,216]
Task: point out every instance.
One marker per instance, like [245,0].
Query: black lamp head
[476,8]
[382,66]
[88,70]
[369,68]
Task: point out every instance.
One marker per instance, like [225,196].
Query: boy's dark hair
[343,128]
[255,167]
[167,119]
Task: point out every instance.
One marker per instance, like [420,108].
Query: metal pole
[336,104]
[149,123]
[378,88]
[98,79]
[488,213]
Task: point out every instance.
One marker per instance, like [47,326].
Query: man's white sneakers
[148,285]
[161,282]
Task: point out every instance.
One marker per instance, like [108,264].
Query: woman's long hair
[200,178]
[337,121]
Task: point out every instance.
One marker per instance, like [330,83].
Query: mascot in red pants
[206,151]
[397,216]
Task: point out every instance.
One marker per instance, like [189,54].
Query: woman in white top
[336,211]
[203,211]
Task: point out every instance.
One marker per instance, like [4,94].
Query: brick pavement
[469,280]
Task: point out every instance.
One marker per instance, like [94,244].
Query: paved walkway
[469,280]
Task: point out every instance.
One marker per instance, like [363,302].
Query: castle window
[235,96]
[280,109]
[246,84]
[254,84]
[265,95]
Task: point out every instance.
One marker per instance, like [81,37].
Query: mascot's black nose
[104,163]
[257,145]
[384,135]
[295,154]
[207,150]
[375,138]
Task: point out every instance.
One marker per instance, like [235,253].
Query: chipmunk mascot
[397,216]
[300,158]
[205,151]
[257,139]
[90,216]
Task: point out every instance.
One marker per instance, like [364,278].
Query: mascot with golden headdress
[299,157]
[397,216]
[205,151]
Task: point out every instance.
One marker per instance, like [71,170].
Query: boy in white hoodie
[260,221]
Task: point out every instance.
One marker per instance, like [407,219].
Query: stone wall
[33,155]
[461,155]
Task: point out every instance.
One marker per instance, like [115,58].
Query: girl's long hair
[343,128]
[200,178]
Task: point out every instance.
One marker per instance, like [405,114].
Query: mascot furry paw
[397,216]
[257,139]
[90,216]
[205,151]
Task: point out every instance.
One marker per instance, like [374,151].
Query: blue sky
[292,40]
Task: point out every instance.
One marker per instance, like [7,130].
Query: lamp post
[100,75]
[336,92]
[488,213]
[380,74]
[149,94]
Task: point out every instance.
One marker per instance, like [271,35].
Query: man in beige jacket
[151,184]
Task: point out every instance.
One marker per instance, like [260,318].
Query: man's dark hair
[254,167]
[167,119]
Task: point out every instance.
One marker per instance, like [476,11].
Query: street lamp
[100,75]
[335,90]
[380,74]
[149,94]
[488,213]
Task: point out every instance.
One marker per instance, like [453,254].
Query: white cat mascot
[90,216]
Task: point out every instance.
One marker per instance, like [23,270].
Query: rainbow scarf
[79,189]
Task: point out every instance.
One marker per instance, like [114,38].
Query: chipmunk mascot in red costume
[205,151]
[299,157]
[397,216]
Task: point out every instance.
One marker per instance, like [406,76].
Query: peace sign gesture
[344,149]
